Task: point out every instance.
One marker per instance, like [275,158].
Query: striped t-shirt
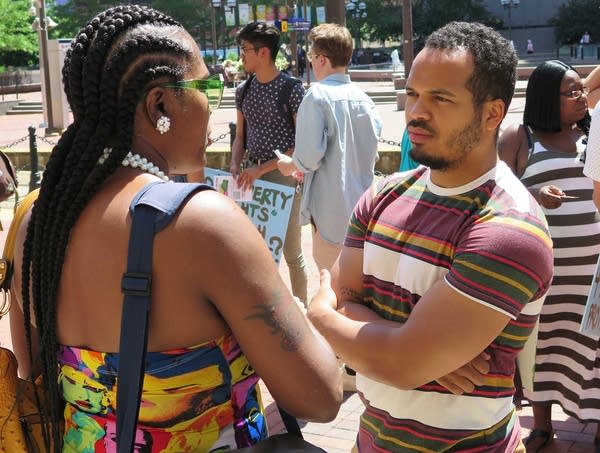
[488,239]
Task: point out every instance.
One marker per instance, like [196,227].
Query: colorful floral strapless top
[198,399]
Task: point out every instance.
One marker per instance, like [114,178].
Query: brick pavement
[338,435]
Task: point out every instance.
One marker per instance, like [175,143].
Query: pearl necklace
[136,161]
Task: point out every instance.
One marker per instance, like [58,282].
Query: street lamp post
[213,23]
[334,12]
[358,12]
[407,32]
[231,9]
[41,24]
[509,5]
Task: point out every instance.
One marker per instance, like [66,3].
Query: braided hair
[112,62]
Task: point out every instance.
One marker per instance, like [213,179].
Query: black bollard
[34,175]
[232,132]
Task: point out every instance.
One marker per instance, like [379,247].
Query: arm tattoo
[279,318]
[350,295]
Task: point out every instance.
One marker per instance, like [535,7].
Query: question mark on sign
[275,248]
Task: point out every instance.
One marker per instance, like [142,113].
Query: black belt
[254,161]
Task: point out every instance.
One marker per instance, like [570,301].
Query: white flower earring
[163,124]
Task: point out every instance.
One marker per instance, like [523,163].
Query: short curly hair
[494,58]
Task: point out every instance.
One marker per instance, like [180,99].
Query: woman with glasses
[547,153]
[141,102]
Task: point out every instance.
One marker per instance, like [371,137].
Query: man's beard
[456,149]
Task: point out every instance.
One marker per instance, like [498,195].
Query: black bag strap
[243,91]
[283,101]
[290,422]
[151,210]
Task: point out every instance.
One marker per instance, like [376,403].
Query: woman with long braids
[547,153]
[137,87]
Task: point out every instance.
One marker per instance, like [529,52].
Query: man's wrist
[319,311]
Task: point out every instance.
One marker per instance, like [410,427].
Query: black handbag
[282,443]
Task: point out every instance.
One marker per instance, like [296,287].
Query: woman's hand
[550,197]
[248,176]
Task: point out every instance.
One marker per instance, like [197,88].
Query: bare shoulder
[511,132]
[211,224]
[512,146]
[210,212]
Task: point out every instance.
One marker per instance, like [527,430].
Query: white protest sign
[227,185]
[590,324]
[269,208]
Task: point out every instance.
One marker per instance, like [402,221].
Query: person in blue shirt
[337,129]
[406,162]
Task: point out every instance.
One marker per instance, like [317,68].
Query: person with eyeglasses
[336,147]
[267,104]
[141,101]
[337,130]
[547,153]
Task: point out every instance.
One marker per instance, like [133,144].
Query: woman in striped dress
[547,153]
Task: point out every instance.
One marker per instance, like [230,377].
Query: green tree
[194,15]
[74,14]
[383,21]
[384,17]
[575,18]
[18,41]
[429,15]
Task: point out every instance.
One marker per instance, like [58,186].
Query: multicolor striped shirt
[488,239]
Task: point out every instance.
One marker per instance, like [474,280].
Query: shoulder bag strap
[244,90]
[284,98]
[151,210]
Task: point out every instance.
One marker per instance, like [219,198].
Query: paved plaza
[337,436]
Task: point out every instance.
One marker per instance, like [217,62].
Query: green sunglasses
[212,88]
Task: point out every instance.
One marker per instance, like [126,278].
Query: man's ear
[494,112]
[266,52]
[154,104]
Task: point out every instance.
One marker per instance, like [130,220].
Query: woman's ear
[154,104]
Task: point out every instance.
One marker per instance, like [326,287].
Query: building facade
[527,20]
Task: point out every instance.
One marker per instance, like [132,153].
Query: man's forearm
[237,151]
[359,341]
[268,166]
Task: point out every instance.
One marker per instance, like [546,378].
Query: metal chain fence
[45,140]
[33,150]
[5,148]
[389,142]
[220,137]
